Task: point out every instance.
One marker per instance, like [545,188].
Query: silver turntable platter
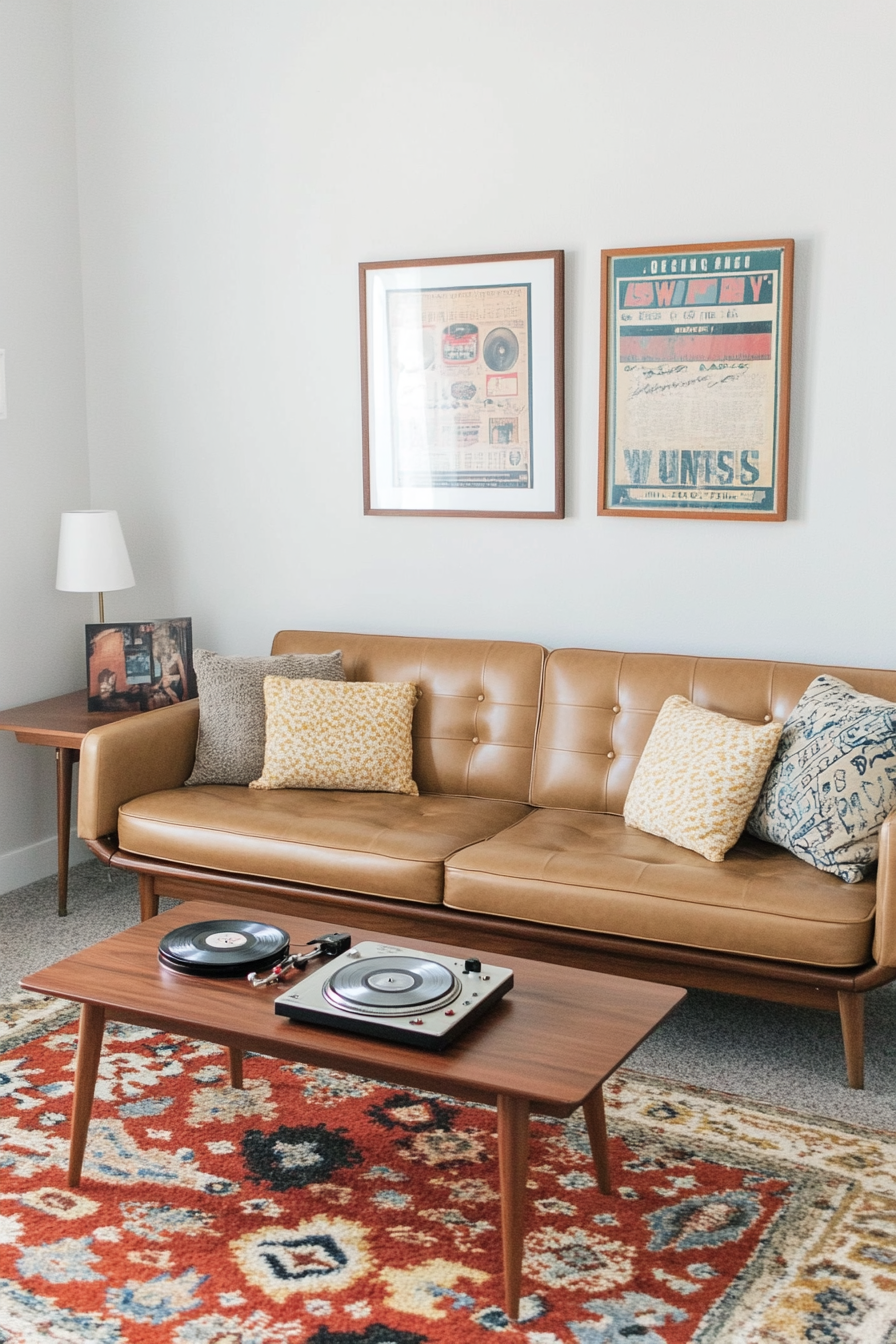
[392,986]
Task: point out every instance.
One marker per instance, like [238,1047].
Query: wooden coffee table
[547,1047]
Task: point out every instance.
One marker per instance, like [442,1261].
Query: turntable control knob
[472,964]
[449,1012]
[416,1021]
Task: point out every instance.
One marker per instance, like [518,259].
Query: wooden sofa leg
[852,1024]
[149,901]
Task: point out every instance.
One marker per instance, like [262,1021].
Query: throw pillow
[230,748]
[338,735]
[699,776]
[833,780]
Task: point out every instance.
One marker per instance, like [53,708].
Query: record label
[226,940]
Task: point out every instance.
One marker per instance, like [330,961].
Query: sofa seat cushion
[588,870]
[383,844]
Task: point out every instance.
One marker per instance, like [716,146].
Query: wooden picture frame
[695,381]
[462,386]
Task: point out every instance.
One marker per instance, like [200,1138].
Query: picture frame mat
[543,271]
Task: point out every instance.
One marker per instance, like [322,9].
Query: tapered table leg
[65,758]
[596,1120]
[513,1163]
[236,1066]
[852,1023]
[90,1044]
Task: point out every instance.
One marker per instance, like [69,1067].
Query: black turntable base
[397,994]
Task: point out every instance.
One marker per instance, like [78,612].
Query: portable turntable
[397,994]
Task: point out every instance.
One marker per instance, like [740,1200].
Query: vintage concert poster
[696,362]
[460,373]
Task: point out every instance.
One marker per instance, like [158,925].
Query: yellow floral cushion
[338,735]
[699,777]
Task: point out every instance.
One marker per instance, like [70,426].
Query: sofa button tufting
[480,697]
[610,755]
[615,709]
[768,718]
[475,739]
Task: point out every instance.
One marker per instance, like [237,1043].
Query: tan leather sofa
[516,842]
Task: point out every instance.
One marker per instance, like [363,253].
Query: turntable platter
[392,985]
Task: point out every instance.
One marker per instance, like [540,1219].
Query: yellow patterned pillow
[699,777]
[338,735]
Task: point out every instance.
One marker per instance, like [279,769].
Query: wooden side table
[61,722]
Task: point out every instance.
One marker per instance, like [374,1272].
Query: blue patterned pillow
[833,780]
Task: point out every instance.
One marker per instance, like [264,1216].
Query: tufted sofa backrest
[474,725]
[598,709]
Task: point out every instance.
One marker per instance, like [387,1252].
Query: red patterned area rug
[316,1208]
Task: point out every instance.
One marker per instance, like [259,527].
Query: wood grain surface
[59,722]
[555,1037]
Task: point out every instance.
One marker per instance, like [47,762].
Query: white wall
[43,445]
[238,159]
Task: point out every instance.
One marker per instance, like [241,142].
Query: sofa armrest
[124,760]
[884,947]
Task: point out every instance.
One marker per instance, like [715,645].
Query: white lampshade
[93,557]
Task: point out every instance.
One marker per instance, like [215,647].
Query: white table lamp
[93,557]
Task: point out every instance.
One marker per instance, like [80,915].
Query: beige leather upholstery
[474,725]
[123,760]
[584,870]
[568,863]
[884,949]
[598,710]
[384,844]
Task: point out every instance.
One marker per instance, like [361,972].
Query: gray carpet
[768,1052]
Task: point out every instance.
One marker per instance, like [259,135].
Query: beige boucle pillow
[699,777]
[230,746]
[338,735]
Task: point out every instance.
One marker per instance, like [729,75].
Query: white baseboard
[21,866]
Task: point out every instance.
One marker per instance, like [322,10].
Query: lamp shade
[93,557]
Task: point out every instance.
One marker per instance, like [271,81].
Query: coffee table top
[558,1033]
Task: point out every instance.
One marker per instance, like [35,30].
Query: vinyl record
[500,349]
[392,986]
[221,947]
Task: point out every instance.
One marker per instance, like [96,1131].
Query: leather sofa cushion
[474,725]
[584,870]
[380,843]
[598,710]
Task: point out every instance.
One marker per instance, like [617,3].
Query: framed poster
[695,381]
[462,386]
[140,665]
